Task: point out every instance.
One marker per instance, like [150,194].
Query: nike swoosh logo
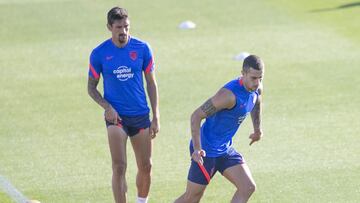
[109,57]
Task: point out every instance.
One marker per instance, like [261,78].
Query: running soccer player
[122,60]
[211,145]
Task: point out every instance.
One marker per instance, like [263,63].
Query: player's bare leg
[142,145]
[193,193]
[117,142]
[241,177]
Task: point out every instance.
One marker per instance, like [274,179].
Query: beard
[254,88]
[251,88]
[123,39]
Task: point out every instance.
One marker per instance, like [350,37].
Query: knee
[145,168]
[247,189]
[250,188]
[119,168]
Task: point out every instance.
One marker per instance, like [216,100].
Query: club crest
[133,55]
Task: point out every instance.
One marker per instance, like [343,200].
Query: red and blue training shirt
[219,129]
[121,69]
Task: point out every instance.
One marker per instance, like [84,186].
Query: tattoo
[95,94]
[208,108]
[256,114]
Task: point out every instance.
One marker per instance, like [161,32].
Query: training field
[53,144]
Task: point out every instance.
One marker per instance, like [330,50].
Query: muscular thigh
[117,143]
[239,175]
[194,191]
[142,145]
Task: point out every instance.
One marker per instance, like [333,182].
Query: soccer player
[122,60]
[211,145]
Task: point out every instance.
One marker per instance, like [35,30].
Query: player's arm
[152,90]
[223,99]
[110,113]
[256,119]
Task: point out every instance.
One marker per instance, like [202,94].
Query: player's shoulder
[229,89]
[102,46]
[224,98]
[233,83]
[136,42]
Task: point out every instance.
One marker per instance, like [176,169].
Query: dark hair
[254,62]
[116,13]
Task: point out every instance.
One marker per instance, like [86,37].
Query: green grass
[53,145]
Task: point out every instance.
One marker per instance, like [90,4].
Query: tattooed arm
[223,99]
[256,120]
[110,113]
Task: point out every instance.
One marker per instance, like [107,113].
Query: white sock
[141,200]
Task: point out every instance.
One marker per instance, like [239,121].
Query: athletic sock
[141,200]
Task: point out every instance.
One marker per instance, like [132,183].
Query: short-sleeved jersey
[122,69]
[219,129]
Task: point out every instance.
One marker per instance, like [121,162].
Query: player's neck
[119,44]
[242,83]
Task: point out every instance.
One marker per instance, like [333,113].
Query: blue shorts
[201,174]
[132,125]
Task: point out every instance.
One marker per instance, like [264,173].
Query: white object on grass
[187,25]
[241,56]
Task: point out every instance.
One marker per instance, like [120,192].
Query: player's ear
[108,27]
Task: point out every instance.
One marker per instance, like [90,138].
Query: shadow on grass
[343,6]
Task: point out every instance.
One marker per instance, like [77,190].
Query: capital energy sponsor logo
[123,73]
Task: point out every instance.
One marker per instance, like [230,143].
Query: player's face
[120,31]
[252,79]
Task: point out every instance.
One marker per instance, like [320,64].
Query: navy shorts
[132,125]
[201,174]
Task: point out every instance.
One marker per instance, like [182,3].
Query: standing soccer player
[121,60]
[211,145]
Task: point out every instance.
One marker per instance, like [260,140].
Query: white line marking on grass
[9,189]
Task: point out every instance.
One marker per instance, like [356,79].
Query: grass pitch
[53,144]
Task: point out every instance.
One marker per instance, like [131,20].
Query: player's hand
[198,155]
[154,127]
[111,115]
[256,136]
